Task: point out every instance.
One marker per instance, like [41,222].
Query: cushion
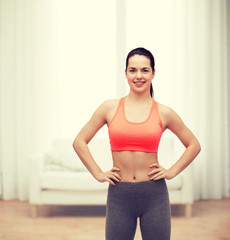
[71,181]
[63,159]
[85,181]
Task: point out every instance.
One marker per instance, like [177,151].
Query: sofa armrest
[36,169]
[187,188]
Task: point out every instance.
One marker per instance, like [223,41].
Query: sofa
[58,177]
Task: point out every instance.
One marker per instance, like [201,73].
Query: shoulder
[168,115]
[165,111]
[101,113]
[107,107]
[109,104]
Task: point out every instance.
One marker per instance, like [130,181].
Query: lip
[139,83]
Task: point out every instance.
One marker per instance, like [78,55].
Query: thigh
[155,226]
[120,225]
[155,222]
[120,217]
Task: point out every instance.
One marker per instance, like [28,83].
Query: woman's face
[139,73]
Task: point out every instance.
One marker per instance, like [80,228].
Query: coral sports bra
[128,136]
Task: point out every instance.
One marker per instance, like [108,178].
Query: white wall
[151,25]
[86,59]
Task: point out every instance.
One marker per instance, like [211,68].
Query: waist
[138,191]
[142,184]
[134,166]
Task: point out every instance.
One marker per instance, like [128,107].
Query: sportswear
[129,136]
[148,201]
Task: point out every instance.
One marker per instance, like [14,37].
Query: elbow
[76,144]
[197,148]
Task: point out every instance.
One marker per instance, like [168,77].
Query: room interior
[61,59]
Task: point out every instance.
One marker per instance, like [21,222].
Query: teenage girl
[135,123]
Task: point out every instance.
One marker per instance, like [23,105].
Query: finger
[110,181]
[157,176]
[154,165]
[117,175]
[115,169]
[154,172]
[160,177]
[114,178]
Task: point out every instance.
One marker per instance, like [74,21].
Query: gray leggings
[147,200]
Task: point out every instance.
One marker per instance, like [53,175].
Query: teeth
[139,83]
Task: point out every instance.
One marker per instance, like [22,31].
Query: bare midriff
[134,166]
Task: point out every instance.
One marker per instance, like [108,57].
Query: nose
[139,76]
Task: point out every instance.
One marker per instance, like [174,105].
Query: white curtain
[189,41]
[57,54]
[57,57]
[28,90]
[201,90]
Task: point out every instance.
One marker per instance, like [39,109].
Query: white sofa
[59,178]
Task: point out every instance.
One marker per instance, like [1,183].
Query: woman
[137,186]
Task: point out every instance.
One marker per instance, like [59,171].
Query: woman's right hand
[109,176]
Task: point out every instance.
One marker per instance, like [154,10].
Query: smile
[139,83]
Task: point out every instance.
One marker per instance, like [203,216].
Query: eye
[132,70]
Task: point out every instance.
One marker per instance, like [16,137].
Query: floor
[210,221]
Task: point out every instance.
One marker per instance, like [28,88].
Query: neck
[135,97]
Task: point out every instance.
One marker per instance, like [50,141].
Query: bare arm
[80,145]
[174,123]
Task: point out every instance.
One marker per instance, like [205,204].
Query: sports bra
[129,136]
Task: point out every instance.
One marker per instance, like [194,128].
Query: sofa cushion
[84,181]
[71,181]
[63,159]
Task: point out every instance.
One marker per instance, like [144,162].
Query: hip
[142,189]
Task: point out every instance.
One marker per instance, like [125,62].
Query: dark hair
[146,53]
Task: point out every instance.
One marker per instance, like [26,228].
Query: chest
[135,113]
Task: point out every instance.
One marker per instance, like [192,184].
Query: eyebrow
[141,68]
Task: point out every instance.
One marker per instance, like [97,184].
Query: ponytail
[151,91]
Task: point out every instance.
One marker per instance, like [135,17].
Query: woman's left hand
[159,172]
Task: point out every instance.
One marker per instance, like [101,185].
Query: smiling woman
[146,68]
[138,74]
[136,123]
